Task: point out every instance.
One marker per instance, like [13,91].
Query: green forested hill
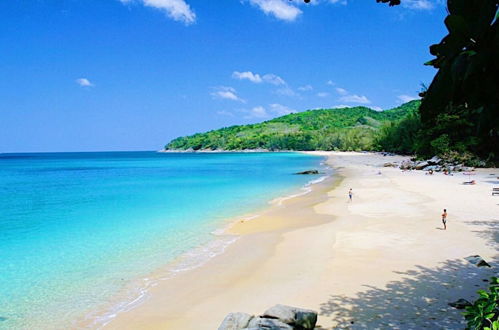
[324,129]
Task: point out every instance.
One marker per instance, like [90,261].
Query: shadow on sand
[488,230]
[419,300]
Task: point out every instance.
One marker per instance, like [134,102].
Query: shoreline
[383,243]
[228,233]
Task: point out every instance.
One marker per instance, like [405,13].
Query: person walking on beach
[350,194]
[444,219]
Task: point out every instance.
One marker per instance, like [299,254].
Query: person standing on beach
[444,219]
[350,194]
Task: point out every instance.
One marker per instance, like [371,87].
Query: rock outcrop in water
[278,317]
[308,172]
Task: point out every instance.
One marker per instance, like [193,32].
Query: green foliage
[325,129]
[400,136]
[484,312]
[460,109]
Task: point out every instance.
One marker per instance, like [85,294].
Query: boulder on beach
[477,261]
[390,165]
[308,172]
[236,321]
[284,313]
[298,317]
[421,165]
[435,160]
[407,165]
[259,323]
[279,317]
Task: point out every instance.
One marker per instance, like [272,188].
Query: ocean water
[78,228]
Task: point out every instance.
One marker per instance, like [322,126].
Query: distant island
[347,129]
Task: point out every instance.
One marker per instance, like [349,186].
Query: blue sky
[95,75]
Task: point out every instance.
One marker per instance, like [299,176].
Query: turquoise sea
[76,229]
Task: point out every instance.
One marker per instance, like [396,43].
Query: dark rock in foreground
[308,172]
[477,261]
[460,304]
[276,318]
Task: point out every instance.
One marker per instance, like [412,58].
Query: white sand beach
[380,261]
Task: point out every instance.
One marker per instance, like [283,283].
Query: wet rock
[236,321]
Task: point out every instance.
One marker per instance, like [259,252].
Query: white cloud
[407,98]
[330,83]
[227,93]
[280,109]
[341,91]
[418,4]
[341,106]
[273,79]
[376,108]
[353,98]
[340,2]
[269,78]
[178,10]
[256,112]
[322,94]
[280,9]
[253,77]
[305,88]
[84,82]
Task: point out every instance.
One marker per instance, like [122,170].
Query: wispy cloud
[330,83]
[227,93]
[407,98]
[256,112]
[351,98]
[323,94]
[178,10]
[286,91]
[354,98]
[419,4]
[281,110]
[339,2]
[253,77]
[305,88]
[376,108]
[341,91]
[341,106]
[269,78]
[273,79]
[84,82]
[280,9]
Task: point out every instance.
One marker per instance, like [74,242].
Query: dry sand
[381,261]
